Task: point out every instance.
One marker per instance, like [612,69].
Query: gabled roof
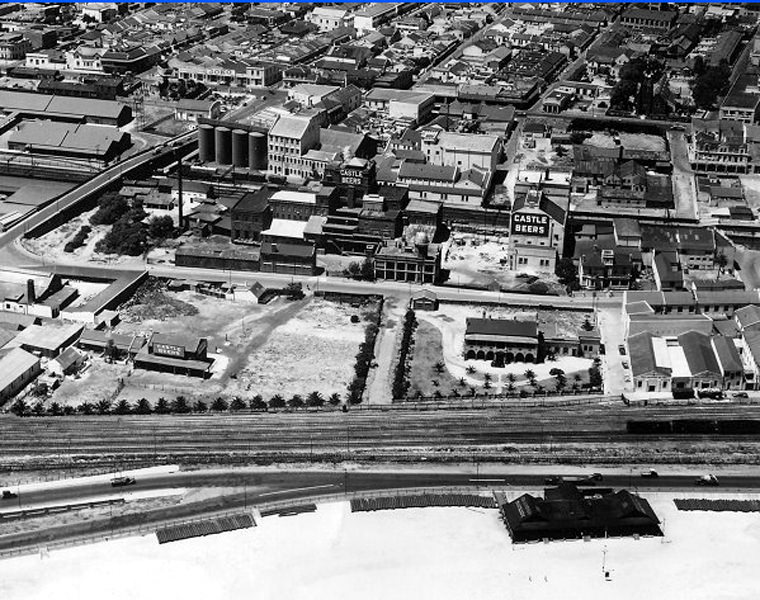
[726,353]
[699,353]
[501,327]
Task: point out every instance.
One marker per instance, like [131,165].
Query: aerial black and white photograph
[359,301]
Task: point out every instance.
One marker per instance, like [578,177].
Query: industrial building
[567,512]
[232,144]
[18,368]
[175,354]
[70,140]
[104,112]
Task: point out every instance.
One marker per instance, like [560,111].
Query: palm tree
[162,406]
[470,370]
[439,367]
[143,407]
[123,407]
[219,405]
[296,401]
[104,407]
[473,391]
[435,382]
[487,384]
[257,403]
[277,401]
[530,375]
[488,377]
[462,382]
[510,387]
[315,399]
[511,377]
[454,392]
[20,408]
[180,405]
[200,406]
[86,408]
[334,399]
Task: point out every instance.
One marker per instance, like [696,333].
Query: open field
[282,348]
[412,553]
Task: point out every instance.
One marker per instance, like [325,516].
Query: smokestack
[30,296]
[179,191]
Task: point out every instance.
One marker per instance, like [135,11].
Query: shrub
[78,240]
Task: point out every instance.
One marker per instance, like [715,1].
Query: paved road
[268,486]
[684,182]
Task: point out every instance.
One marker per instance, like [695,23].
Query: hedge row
[401,374]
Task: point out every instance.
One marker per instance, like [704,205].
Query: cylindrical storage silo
[257,151]
[223,146]
[240,148]
[206,145]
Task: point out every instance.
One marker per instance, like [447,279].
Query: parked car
[740,395]
[625,364]
[650,474]
[122,481]
[621,349]
[8,495]
[710,480]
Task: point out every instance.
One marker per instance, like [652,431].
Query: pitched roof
[411,170]
[502,327]
[699,353]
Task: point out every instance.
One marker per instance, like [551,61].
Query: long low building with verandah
[502,340]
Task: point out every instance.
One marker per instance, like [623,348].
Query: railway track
[331,432]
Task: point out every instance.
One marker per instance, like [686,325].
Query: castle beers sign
[527,224]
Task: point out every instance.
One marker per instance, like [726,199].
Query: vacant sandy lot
[282,348]
[312,351]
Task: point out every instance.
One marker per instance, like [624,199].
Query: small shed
[424,300]
[67,363]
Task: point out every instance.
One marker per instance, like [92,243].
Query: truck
[576,479]
[710,480]
[650,474]
[8,495]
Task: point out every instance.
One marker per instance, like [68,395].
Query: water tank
[240,148]
[223,146]
[257,151]
[206,143]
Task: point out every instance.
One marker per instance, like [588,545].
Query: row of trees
[364,359]
[401,374]
[180,405]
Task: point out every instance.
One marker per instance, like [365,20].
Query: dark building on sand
[567,513]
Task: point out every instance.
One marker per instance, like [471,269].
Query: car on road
[625,364]
[621,349]
[740,395]
[8,495]
[709,480]
[122,481]
[650,474]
